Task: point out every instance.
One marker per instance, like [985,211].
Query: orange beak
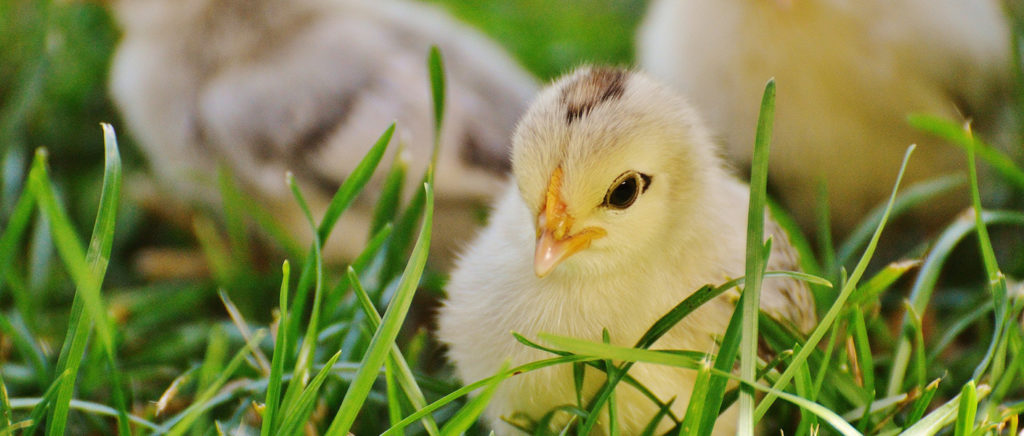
[554,243]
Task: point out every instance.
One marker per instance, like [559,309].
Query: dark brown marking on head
[600,84]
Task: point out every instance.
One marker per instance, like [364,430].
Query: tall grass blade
[87,271]
[996,279]
[405,376]
[692,421]
[967,410]
[304,361]
[352,186]
[756,256]
[437,91]
[271,412]
[385,336]
[724,361]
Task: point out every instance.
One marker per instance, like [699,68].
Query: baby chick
[266,86]
[620,209]
[849,73]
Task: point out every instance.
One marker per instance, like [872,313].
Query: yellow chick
[849,73]
[620,209]
[267,86]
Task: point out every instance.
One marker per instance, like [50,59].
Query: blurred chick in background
[849,73]
[621,208]
[267,86]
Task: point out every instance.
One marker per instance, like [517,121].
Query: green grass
[272,346]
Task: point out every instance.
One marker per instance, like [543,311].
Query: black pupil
[624,194]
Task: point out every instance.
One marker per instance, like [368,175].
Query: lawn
[265,340]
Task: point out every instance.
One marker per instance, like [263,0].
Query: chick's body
[267,86]
[849,73]
[685,227]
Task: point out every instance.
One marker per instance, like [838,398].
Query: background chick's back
[849,73]
[266,86]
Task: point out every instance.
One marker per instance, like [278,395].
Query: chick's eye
[626,189]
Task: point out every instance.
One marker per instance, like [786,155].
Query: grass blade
[385,336]
[405,377]
[967,410]
[437,91]
[87,271]
[304,361]
[756,256]
[352,186]
[271,413]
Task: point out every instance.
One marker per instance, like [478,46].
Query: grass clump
[86,350]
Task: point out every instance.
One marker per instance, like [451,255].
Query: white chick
[620,210]
[266,86]
[848,73]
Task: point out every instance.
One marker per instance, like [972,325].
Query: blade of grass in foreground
[830,317]
[756,256]
[352,186]
[996,279]
[405,377]
[87,270]
[385,336]
[304,361]
[271,412]
[437,87]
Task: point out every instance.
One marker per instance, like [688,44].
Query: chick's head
[612,165]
